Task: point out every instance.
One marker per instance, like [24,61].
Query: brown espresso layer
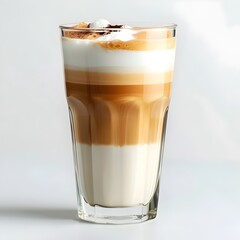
[117,114]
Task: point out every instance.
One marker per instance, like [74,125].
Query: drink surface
[118,86]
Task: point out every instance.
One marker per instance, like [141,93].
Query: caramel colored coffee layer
[117,114]
[103,78]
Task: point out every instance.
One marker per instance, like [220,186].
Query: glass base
[118,215]
[127,215]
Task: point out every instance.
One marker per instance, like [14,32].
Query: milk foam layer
[103,50]
[113,176]
[86,54]
[100,23]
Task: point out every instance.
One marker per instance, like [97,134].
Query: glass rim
[70,27]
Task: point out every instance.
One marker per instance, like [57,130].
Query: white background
[200,183]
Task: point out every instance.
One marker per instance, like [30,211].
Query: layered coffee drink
[118,84]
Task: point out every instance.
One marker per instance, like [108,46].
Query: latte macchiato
[118,85]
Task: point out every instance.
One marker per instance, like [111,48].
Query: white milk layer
[114,176]
[88,55]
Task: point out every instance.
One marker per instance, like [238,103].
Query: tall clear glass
[118,87]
